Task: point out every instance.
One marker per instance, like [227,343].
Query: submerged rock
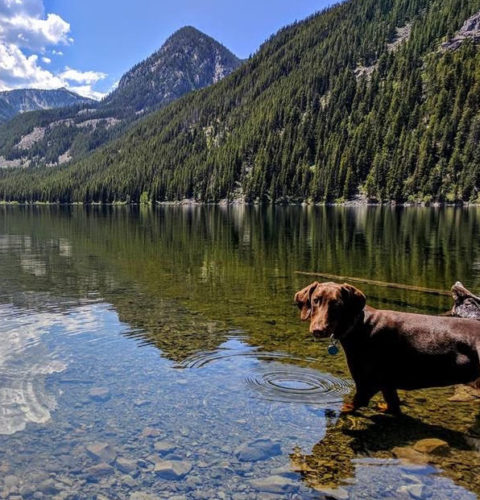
[99,394]
[172,469]
[337,493]
[98,471]
[408,454]
[432,446]
[465,394]
[273,484]
[260,449]
[102,451]
[413,490]
[48,487]
[141,495]
[150,432]
[126,466]
[164,447]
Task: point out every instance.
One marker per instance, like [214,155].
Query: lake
[157,353]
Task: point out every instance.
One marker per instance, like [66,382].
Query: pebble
[100,394]
[129,481]
[285,471]
[141,495]
[272,484]
[126,466]
[408,454]
[260,449]
[98,471]
[48,487]
[464,393]
[414,490]
[102,451]
[141,402]
[164,447]
[172,469]
[10,481]
[432,446]
[151,432]
[337,493]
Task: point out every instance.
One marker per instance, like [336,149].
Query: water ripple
[273,380]
[299,385]
[201,359]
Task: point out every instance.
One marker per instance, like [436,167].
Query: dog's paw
[347,409]
[385,408]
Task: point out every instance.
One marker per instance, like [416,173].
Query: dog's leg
[392,401]
[361,398]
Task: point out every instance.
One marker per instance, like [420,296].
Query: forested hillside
[13,102]
[367,98]
[188,60]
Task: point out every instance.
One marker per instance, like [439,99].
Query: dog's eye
[316,300]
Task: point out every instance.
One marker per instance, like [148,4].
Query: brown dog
[389,350]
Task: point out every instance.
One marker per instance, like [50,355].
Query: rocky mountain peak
[188,60]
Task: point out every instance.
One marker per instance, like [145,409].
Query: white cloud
[25,31]
[32,33]
[19,71]
[23,23]
[87,91]
[88,77]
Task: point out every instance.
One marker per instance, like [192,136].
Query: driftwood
[399,286]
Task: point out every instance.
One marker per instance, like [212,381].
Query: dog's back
[413,351]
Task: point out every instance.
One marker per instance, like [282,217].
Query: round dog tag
[333,350]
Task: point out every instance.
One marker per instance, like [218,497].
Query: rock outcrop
[469,31]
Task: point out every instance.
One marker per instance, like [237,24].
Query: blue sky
[86,45]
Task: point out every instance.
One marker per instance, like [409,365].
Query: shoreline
[231,203]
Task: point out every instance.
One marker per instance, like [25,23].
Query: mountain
[13,102]
[363,100]
[188,60]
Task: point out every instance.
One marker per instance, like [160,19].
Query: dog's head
[331,308]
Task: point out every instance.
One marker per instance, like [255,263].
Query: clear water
[157,353]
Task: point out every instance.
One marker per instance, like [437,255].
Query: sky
[86,45]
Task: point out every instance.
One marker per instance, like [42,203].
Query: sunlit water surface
[157,354]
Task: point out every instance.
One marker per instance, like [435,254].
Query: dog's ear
[354,298]
[303,300]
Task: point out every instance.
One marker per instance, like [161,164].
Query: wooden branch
[398,286]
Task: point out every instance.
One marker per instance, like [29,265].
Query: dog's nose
[319,333]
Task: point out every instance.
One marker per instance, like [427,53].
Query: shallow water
[158,352]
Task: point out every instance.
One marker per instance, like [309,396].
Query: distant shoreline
[224,203]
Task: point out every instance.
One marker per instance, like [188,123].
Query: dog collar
[332,348]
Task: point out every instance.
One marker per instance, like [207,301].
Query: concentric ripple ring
[299,385]
[274,381]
